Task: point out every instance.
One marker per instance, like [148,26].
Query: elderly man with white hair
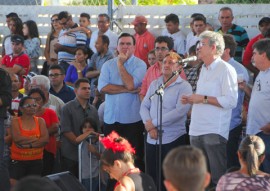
[215,97]
[53,102]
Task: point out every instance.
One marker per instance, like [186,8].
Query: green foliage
[140,2]
[168,2]
[241,1]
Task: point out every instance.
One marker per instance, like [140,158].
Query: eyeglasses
[54,75]
[54,20]
[29,105]
[161,48]
[201,44]
[37,98]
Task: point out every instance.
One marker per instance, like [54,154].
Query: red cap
[139,19]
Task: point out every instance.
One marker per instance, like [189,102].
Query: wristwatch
[205,100]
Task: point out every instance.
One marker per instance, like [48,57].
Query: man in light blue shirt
[258,122]
[215,97]
[120,79]
[174,114]
[236,119]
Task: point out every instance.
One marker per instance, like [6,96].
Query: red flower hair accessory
[116,143]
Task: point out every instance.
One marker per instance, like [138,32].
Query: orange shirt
[144,44]
[25,154]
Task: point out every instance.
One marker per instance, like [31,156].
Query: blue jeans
[265,167]
[4,176]
[95,181]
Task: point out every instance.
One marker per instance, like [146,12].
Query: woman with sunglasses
[52,39]
[29,136]
[52,123]
[117,160]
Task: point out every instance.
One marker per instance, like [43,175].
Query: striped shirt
[73,40]
[241,37]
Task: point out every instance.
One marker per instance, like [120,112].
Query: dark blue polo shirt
[66,94]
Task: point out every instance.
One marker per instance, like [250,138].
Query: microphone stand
[160,92]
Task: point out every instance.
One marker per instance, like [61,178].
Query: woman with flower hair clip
[117,160]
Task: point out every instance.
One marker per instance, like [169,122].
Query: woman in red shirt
[52,124]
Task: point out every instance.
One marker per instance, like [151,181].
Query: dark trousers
[133,132]
[152,154]
[232,147]
[64,65]
[4,175]
[48,163]
[70,165]
[214,148]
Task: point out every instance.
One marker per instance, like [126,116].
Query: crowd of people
[136,90]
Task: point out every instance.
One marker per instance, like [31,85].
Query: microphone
[189,59]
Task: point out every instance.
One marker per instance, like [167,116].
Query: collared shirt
[179,40]
[55,104]
[152,74]
[174,113]
[123,107]
[258,111]
[112,36]
[193,75]
[144,43]
[236,119]
[218,80]
[249,51]
[21,60]
[72,116]
[240,36]
[73,40]
[96,63]
[66,93]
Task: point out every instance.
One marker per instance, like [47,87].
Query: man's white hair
[41,80]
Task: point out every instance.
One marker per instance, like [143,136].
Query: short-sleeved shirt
[241,37]
[179,41]
[241,182]
[72,75]
[259,104]
[96,63]
[66,94]
[73,40]
[21,60]
[249,51]
[112,36]
[50,118]
[144,43]
[72,116]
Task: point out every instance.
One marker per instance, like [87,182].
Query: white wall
[244,15]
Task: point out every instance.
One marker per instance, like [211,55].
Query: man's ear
[169,186]
[207,179]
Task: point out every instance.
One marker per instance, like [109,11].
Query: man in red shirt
[145,41]
[18,62]
[264,27]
